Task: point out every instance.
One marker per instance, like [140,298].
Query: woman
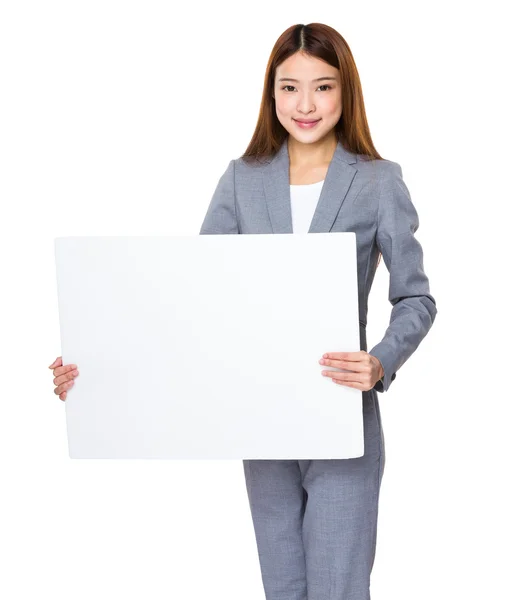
[311,167]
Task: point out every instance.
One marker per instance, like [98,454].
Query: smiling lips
[307,123]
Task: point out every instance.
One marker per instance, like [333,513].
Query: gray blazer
[368,197]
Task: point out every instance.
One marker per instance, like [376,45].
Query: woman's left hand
[365,368]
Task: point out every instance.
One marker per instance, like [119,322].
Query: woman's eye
[292,86]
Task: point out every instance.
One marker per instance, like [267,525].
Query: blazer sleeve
[221,217]
[414,308]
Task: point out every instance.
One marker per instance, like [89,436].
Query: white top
[304,199]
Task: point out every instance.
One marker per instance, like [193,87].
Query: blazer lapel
[276,182]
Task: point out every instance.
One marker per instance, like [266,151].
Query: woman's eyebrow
[296,80]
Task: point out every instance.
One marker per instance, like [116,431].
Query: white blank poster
[207,346]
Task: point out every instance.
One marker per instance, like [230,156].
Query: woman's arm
[221,214]
[414,308]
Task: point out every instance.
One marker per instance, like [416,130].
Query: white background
[106,109]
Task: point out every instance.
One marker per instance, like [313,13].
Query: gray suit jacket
[368,197]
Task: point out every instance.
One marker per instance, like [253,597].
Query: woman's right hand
[64,377]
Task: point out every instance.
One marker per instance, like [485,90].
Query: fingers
[352,356]
[348,379]
[352,384]
[64,373]
[356,366]
[59,371]
[68,376]
[64,387]
[345,377]
[56,363]
[64,377]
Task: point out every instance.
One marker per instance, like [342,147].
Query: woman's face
[298,96]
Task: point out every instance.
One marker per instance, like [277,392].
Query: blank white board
[207,346]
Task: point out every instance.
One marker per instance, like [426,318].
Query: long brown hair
[323,42]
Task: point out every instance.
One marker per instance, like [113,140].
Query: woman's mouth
[305,124]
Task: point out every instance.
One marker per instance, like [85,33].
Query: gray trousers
[315,521]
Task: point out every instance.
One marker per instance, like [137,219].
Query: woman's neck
[316,154]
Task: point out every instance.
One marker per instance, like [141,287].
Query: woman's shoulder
[382,164]
[380,172]
[251,164]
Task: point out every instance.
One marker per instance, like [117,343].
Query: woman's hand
[365,368]
[64,377]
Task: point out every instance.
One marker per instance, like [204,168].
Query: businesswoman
[311,167]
